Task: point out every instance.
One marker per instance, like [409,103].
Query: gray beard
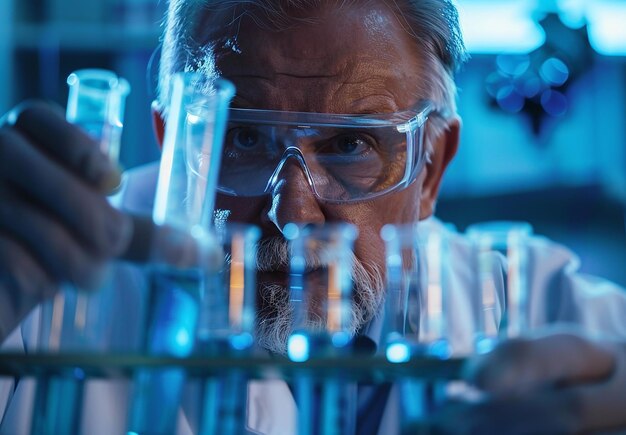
[274,319]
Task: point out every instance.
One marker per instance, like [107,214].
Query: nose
[291,193]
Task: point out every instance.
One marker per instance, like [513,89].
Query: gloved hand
[555,383]
[56,224]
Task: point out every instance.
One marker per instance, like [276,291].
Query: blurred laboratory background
[543,101]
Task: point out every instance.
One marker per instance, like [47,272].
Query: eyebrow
[239,103]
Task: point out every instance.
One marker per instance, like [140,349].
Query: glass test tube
[226,327]
[434,329]
[417,288]
[416,310]
[77,321]
[96,103]
[185,197]
[396,297]
[501,248]
[321,291]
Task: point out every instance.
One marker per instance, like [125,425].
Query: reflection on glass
[226,327]
[96,103]
[417,310]
[418,289]
[181,295]
[192,149]
[320,284]
[76,321]
[501,249]
[321,280]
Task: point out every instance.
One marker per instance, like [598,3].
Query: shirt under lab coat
[558,294]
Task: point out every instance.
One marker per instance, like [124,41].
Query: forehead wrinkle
[271,68]
[374,103]
[306,76]
[366,96]
[270,95]
[358,92]
[364,89]
[371,72]
[329,65]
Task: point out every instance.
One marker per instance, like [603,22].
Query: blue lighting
[398,353]
[241,341]
[79,373]
[531,86]
[509,99]
[510,27]
[182,338]
[513,66]
[485,345]
[291,231]
[298,348]
[340,339]
[500,27]
[440,349]
[494,82]
[554,71]
[298,263]
[607,32]
[554,102]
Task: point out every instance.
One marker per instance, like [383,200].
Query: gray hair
[433,25]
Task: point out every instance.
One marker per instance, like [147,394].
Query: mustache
[275,316]
[274,254]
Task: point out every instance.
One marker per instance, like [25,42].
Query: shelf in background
[91,37]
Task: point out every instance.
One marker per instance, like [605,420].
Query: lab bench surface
[94,365]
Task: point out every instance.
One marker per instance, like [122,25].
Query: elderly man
[380,58]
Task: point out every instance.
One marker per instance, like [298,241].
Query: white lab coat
[558,294]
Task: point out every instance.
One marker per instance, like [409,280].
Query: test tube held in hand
[96,103]
[77,321]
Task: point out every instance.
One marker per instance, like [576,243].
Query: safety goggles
[345,158]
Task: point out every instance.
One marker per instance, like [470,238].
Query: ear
[158,123]
[444,149]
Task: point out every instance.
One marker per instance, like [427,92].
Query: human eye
[244,142]
[245,138]
[349,145]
